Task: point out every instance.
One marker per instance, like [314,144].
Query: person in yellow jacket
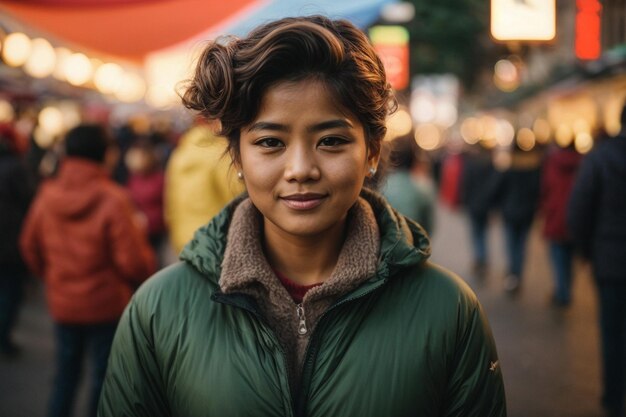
[199,181]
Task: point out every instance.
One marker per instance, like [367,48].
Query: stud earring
[372,171]
[240,175]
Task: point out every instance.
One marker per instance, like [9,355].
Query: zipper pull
[302,330]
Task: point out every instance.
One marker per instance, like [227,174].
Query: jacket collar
[245,266]
[402,241]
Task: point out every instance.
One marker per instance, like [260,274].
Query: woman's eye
[332,141]
[269,143]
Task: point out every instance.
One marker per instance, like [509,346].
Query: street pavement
[549,355]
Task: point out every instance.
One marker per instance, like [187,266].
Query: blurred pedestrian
[81,237]
[597,221]
[450,180]
[146,181]
[475,197]
[309,294]
[559,171]
[516,191]
[16,190]
[411,196]
[199,182]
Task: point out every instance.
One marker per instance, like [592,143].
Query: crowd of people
[93,228]
[580,202]
[287,290]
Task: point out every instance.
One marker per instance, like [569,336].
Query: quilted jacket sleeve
[133,384]
[475,387]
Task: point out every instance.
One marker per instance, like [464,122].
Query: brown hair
[232,74]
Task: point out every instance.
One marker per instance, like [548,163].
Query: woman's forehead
[311,99]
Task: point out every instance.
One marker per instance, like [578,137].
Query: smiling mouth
[303,201]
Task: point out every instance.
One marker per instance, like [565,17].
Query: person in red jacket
[146,181]
[81,235]
[557,180]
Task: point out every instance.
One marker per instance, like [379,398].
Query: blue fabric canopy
[360,12]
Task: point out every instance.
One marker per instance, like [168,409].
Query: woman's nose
[301,165]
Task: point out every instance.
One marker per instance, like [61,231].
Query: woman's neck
[306,260]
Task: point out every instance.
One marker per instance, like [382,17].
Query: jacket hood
[71,194]
[403,242]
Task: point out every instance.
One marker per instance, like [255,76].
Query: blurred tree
[450,36]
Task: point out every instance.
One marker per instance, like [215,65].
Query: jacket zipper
[225,299]
[311,349]
[302,329]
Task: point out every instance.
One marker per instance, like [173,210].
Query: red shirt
[294,289]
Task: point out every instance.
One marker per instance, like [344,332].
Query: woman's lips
[303,201]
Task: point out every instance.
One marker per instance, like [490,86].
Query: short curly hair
[233,74]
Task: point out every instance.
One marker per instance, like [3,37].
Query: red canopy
[129,29]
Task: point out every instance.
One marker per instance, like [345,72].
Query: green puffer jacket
[411,341]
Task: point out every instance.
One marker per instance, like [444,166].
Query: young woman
[310,295]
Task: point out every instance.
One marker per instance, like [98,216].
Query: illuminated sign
[587,45]
[392,46]
[523,20]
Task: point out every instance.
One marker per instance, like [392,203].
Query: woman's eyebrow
[267,126]
[330,124]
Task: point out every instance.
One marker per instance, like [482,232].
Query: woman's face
[304,160]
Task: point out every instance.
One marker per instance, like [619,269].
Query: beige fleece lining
[246,270]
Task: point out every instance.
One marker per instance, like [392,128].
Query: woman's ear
[373,155]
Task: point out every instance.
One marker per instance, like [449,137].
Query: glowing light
[17,48]
[541,129]
[525,139]
[506,75]
[7,113]
[505,133]
[563,136]
[581,126]
[611,109]
[42,59]
[523,20]
[447,113]
[132,88]
[62,55]
[398,124]
[43,138]
[489,128]
[70,112]
[583,142]
[78,69]
[51,120]
[471,130]
[428,136]
[588,29]
[108,77]
[161,96]
[489,143]
[423,108]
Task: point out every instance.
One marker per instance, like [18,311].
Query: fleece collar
[245,266]
[402,241]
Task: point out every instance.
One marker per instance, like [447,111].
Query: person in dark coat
[516,191]
[559,171]
[477,171]
[16,190]
[597,221]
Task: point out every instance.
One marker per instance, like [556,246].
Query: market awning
[133,29]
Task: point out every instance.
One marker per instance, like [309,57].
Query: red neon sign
[587,45]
